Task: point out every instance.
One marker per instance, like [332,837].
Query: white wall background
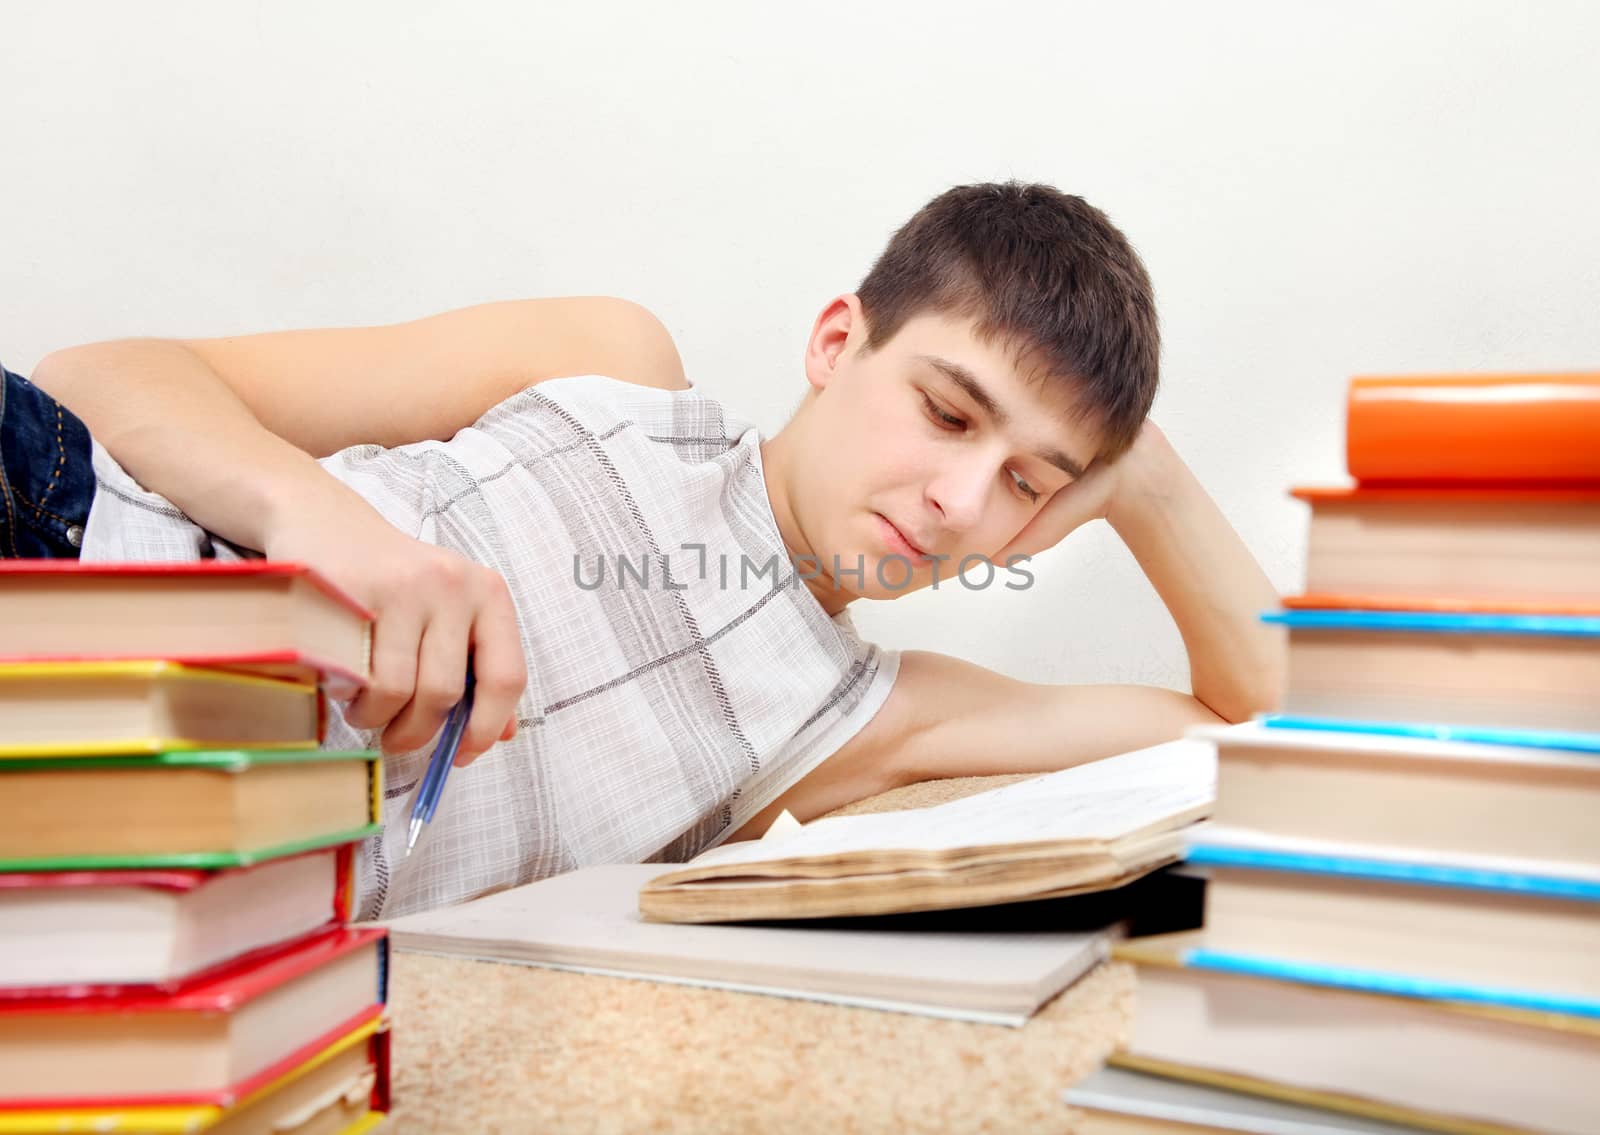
[1318,190]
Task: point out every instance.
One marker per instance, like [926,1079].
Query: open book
[1087,828]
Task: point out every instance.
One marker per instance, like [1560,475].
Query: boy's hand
[430,606]
[1091,497]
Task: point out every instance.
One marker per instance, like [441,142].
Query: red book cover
[174,879]
[197,568]
[233,1093]
[64,580]
[223,990]
[227,991]
[1485,428]
[166,879]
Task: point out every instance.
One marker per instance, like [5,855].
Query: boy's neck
[777,455]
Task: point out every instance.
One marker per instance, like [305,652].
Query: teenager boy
[981,395]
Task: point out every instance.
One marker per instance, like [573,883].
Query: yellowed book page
[1093,804]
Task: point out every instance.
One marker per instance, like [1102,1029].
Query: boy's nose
[960,493]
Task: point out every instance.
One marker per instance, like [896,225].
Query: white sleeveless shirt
[662,711]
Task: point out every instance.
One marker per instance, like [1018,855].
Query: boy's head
[1004,340]
[1041,275]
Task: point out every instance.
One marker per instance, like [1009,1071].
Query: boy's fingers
[500,673]
[395,637]
[1048,528]
[441,680]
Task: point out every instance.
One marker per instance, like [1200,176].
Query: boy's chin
[896,579]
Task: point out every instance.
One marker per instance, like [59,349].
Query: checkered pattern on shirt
[656,720]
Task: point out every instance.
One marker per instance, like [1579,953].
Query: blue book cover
[1391,984]
[1481,734]
[1444,622]
[1204,854]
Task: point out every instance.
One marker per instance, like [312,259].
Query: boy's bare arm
[1203,572]
[946,717]
[228,429]
[971,721]
[1209,581]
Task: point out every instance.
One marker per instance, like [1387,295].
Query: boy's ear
[839,326]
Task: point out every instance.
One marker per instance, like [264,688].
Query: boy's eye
[950,422]
[1027,490]
[940,418]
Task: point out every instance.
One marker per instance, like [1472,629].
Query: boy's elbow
[1225,713]
[1253,686]
[628,341]
[653,353]
[1241,705]
[99,382]
[1201,712]
[69,375]
[70,370]
[53,373]
[75,377]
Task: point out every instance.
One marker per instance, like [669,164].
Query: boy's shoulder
[696,424]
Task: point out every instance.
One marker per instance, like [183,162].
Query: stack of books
[1402,918]
[176,854]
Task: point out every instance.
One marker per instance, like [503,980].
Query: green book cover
[194,860]
[223,760]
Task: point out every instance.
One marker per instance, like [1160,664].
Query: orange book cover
[1477,493]
[1487,428]
[1324,601]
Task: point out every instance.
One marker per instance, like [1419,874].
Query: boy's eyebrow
[968,382]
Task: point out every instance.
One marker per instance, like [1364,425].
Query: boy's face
[936,438]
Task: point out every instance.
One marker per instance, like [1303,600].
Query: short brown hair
[1043,272]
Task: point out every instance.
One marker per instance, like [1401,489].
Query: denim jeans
[46,478]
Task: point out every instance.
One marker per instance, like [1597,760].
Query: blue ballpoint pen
[440,764]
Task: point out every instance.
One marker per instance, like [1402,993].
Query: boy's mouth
[897,539]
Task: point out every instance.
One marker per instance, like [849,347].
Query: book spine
[382,1092]
[1489,429]
[344,871]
